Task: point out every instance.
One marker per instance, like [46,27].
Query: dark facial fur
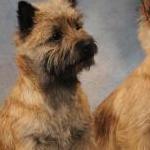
[54,38]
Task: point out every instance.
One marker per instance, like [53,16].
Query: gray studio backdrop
[114,25]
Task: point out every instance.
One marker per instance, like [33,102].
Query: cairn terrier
[47,109]
[122,121]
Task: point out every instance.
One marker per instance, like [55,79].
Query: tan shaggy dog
[122,121]
[47,109]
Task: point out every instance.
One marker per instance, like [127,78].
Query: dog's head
[51,39]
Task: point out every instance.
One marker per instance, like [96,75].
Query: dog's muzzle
[86,48]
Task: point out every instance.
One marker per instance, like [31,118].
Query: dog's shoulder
[105,118]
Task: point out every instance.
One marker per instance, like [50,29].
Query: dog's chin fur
[86,64]
[70,71]
[67,77]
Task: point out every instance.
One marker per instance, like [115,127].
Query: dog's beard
[85,64]
[67,67]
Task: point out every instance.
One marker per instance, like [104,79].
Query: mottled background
[114,25]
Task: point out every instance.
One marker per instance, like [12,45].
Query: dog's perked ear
[73,3]
[26,14]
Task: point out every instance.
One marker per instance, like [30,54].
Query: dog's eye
[57,36]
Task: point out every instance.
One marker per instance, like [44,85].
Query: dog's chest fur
[59,123]
[62,129]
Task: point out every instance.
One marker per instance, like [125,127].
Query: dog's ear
[26,14]
[73,3]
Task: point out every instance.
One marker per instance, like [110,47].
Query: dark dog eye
[57,36]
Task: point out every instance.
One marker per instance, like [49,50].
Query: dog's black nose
[87,48]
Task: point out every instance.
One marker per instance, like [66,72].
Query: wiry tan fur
[122,121]
[41,113]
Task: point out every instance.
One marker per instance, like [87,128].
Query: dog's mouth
[82,63]
[86,62]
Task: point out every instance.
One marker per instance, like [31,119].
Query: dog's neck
[59,82]
[61,90]
[55,94]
